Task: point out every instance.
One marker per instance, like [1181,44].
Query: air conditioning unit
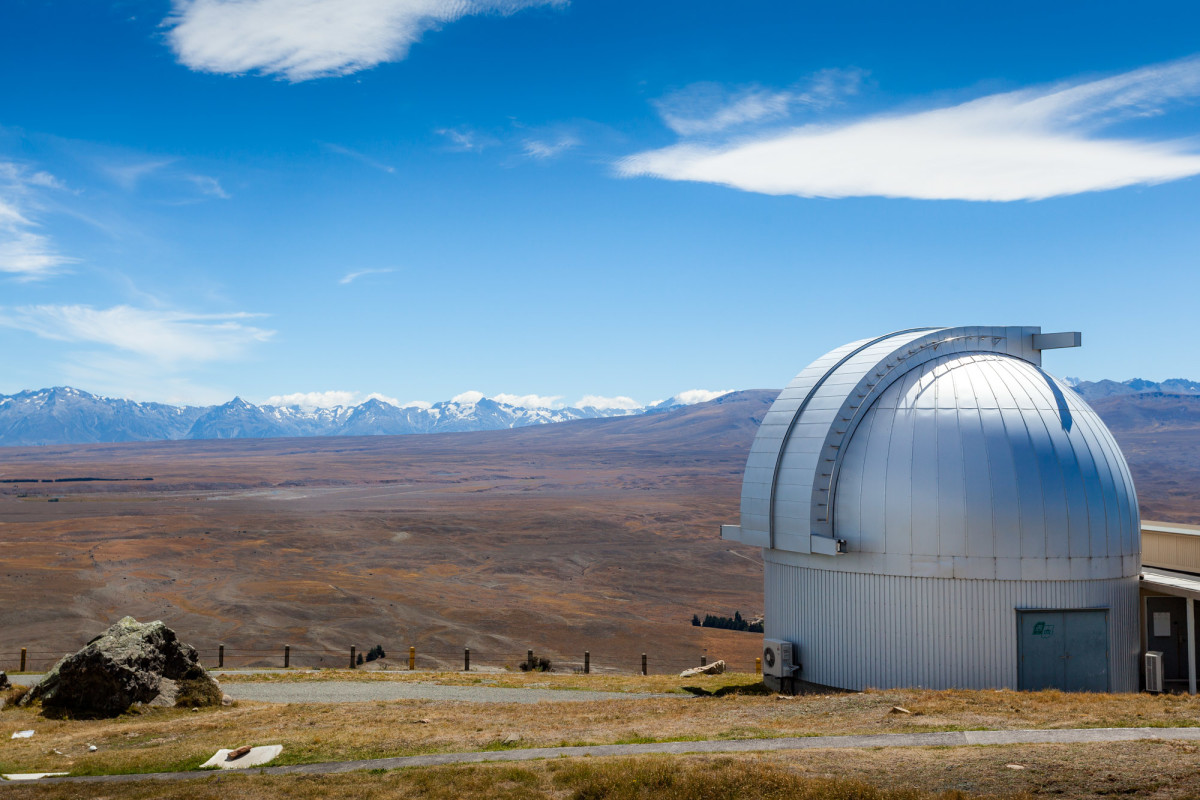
[1154,671]
[779,658]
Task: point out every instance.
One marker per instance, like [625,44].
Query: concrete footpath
[950,739]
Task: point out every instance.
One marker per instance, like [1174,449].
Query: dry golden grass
[1151,770]
[167,740]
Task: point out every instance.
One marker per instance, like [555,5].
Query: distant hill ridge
[64,415]
[1093,390]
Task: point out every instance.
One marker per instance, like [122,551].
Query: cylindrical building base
[858,630]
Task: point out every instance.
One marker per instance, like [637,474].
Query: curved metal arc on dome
[911,356]
[804,405]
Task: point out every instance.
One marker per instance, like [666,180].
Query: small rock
[226,700]
[92,748]
[195,710]
[22,734]
[424,721]
[899,710]
[1014,766]
[57,752]
[234,755]
[715,668]
[512,738]
[4,683]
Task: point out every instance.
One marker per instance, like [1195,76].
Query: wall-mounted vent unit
[1154,671]
[779,658]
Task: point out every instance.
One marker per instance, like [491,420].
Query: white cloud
[605,403]
[465,140]
[313,400]
[128,174]
[1023,145]
[350,277]
[304,39]
[208,186]
[693,396]
[310,401]
[25,253]
[529,400]
[170,338]
[543,149]
[467,397]
[706,108]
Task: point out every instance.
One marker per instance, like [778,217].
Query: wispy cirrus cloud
[1029,144]
[304,39]
[170,338]
[351,277]
[26,253]
[551,147]
[707,108]
[466,140]
[360,157]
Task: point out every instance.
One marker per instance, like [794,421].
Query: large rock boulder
[131,662]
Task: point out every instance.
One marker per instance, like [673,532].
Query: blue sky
[600,198]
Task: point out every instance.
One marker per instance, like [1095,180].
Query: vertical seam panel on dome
[999,450]
[1093,490]
[985,466]
[1018,383]
[1098,544]
[1111,452]
[1062,480]
[879,536]
[952,419]
[1111,498]
[800,411]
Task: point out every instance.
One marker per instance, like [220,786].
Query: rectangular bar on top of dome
[1054,341]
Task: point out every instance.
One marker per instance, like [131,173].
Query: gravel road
[366,691]
[362,691]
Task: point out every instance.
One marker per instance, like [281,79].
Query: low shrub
[537,664]
[194,693]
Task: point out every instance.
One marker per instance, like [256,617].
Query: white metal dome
[973,459]
[919,494]
[942,452]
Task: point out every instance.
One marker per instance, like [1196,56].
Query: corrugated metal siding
[859,630]
[1175,551]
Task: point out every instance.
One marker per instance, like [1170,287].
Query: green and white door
[1065,650]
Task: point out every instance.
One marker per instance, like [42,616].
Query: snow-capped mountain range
[63,415]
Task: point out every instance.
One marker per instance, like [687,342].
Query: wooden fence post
[412,658]
[23,652]
[351,656]
[287,656]
[221,656]
[587,662]
[704,661]
[529,659]
[643,663]
[466,659]
[758,666]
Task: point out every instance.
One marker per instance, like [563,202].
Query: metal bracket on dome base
[825,546]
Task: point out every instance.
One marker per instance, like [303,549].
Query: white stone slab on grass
[255,758]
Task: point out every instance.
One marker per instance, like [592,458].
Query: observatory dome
[934,481]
